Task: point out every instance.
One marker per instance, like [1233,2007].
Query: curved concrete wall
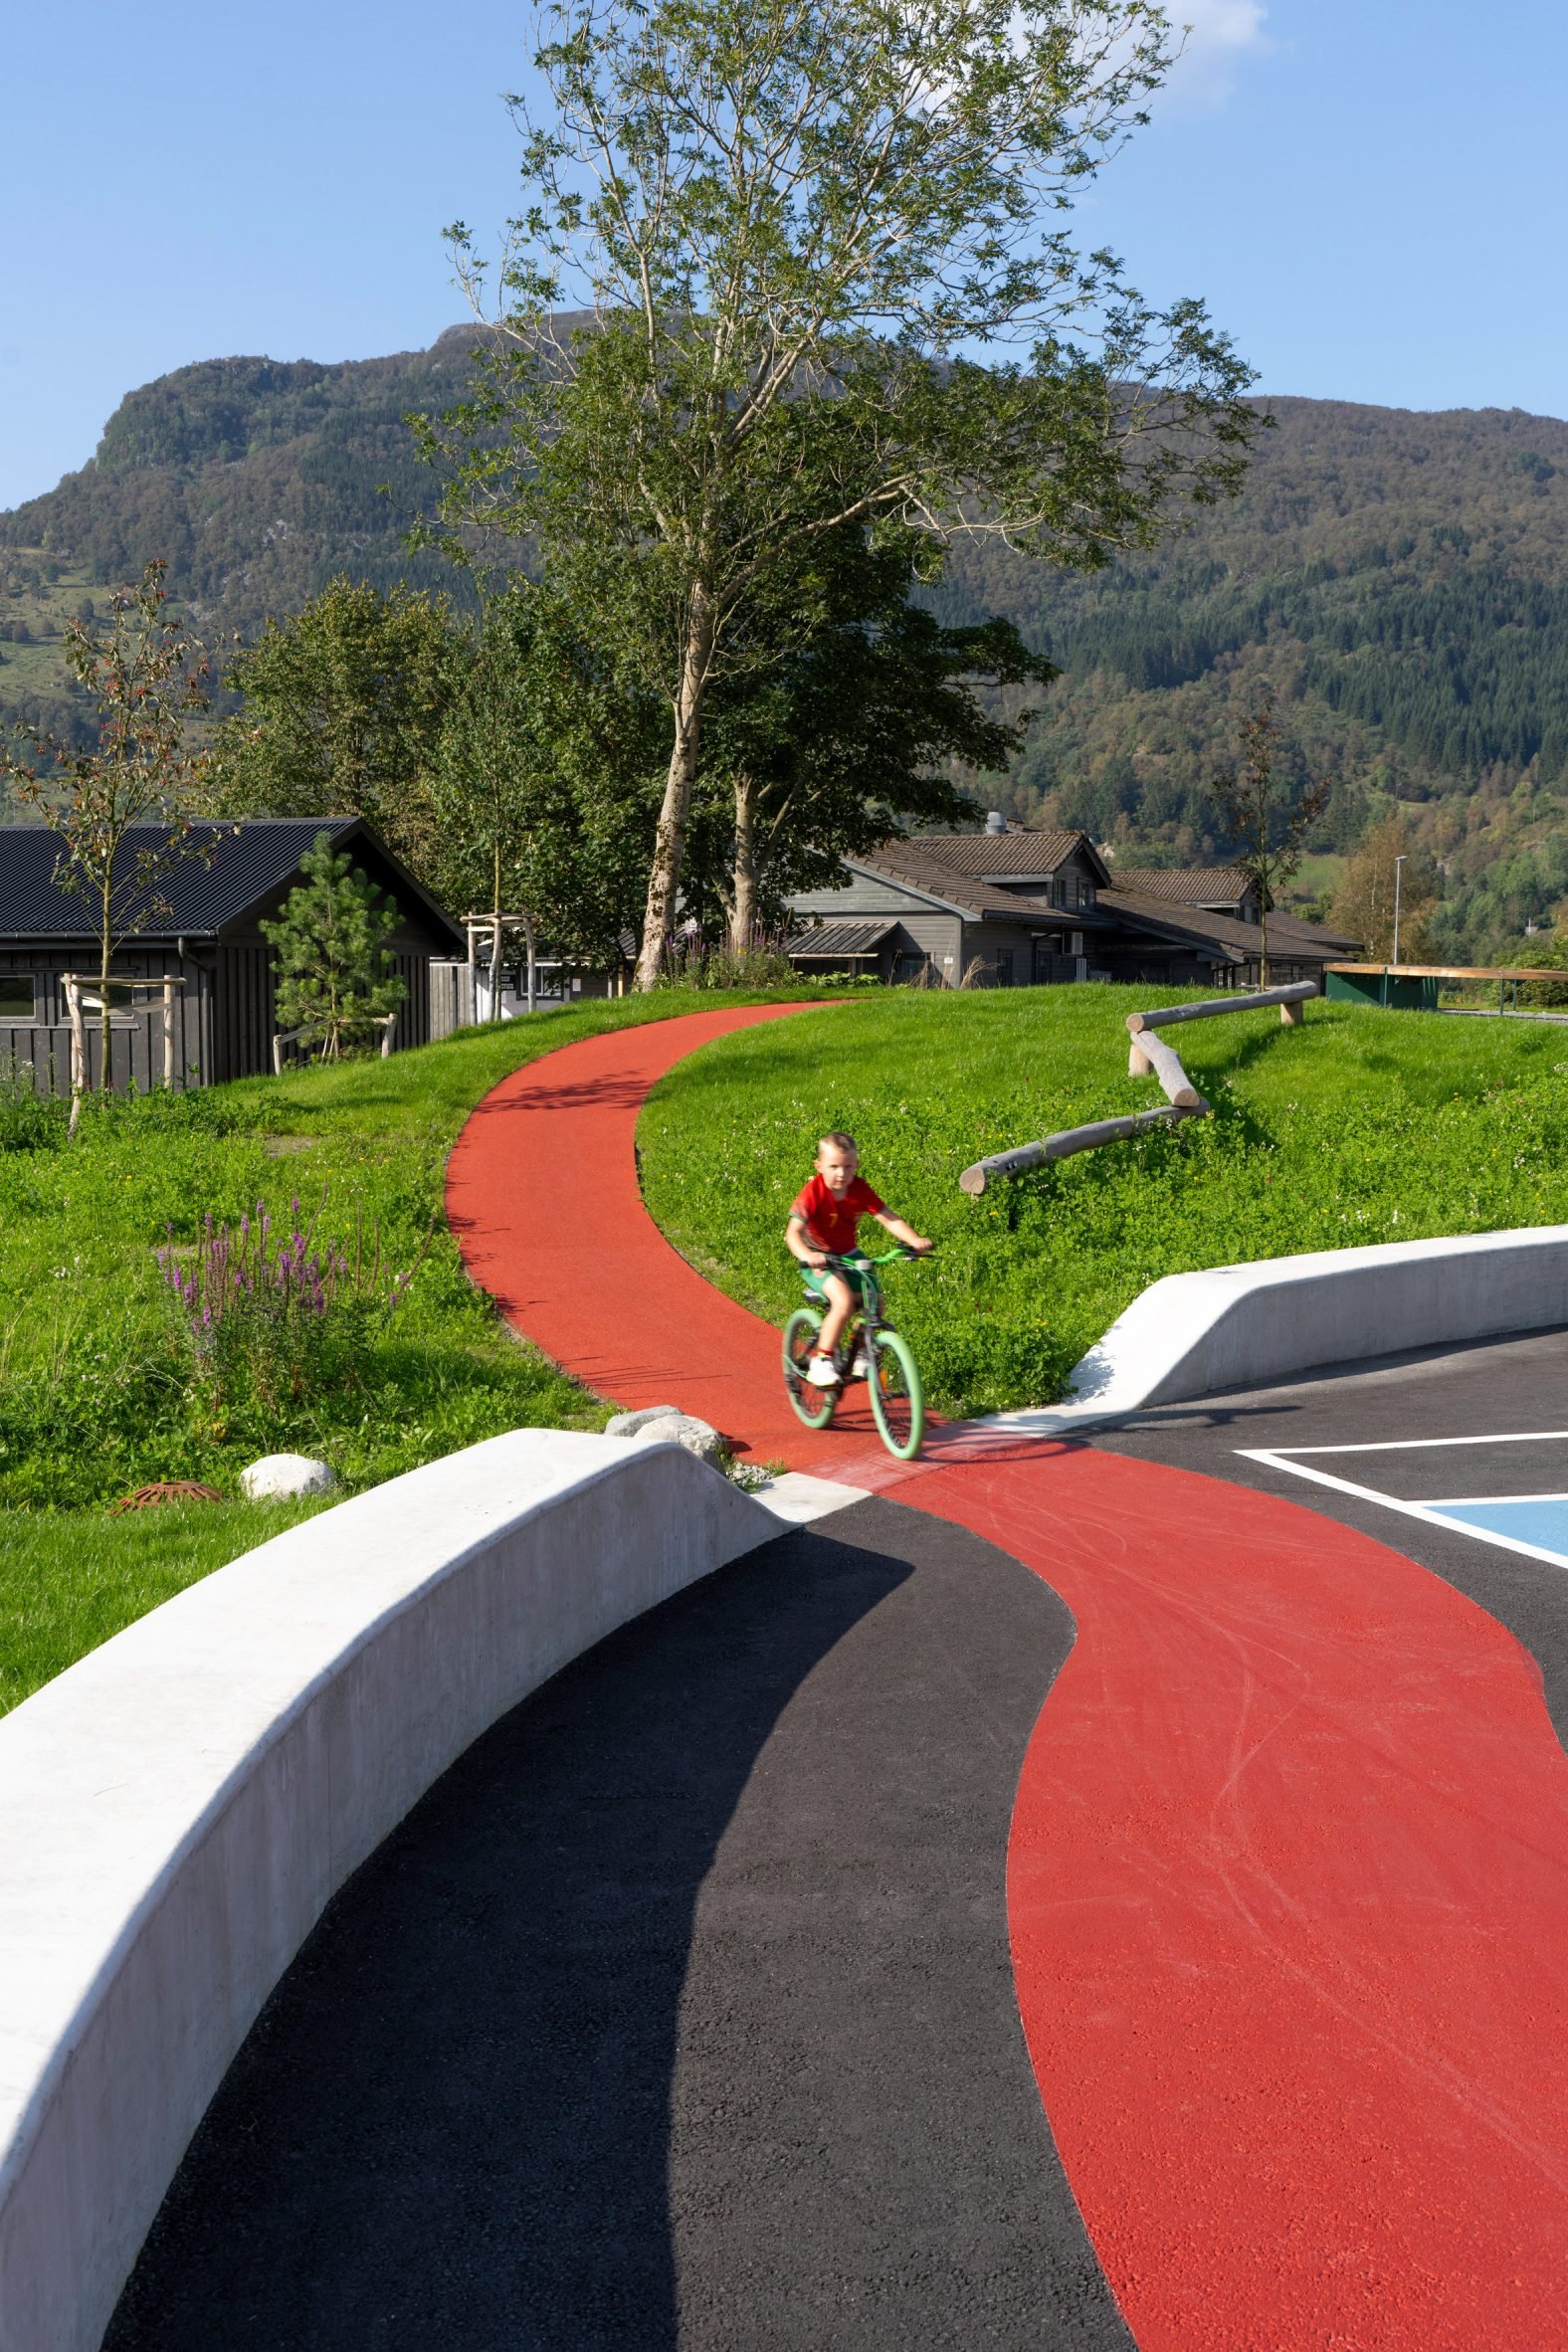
[1239,1326]
[178,1809]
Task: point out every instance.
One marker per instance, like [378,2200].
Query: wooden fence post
[77,1046]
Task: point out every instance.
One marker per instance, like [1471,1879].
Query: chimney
[995,821]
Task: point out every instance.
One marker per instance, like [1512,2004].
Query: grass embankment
[1361,1126]
[99,1389]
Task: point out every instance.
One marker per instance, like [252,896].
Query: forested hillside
[258,479]
[1398,581]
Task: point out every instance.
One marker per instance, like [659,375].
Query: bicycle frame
[869,1316]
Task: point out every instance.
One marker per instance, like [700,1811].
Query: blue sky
[1368,193]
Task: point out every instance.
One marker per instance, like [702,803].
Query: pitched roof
[1287,935]
[1018,853]
[1185,886]
[910,863]
[228,869]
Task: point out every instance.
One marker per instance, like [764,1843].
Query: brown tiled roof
[1016,852]
[1184,885]
[910,862]
[1287,935]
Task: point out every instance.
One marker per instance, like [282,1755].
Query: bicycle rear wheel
[814,1405]
[897,1401]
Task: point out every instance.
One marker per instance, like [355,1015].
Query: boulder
[667,1424]
[627,1424]
[278,1474]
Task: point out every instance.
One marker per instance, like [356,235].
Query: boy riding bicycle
[823,1224]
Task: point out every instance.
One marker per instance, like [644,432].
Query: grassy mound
[1361,1126]
[101,1390]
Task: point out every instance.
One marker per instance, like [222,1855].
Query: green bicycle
[871,1349]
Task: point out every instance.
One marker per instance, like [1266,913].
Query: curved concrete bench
[1237,1327]
[178,1809]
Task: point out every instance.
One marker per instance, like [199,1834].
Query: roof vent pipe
[995,821]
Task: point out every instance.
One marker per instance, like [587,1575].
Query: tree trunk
[105,946]
[528,942]
[664,880]
[495,943]
[743,905]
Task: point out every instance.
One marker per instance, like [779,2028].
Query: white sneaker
[860,1367]
[822,1372]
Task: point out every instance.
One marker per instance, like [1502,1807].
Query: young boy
[823,1225]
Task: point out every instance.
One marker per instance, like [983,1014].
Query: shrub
[273,1322]
[691,961]
[28,1120]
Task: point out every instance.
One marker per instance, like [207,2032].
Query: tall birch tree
[789,226]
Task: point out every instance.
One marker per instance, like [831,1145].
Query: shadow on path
[679,2012]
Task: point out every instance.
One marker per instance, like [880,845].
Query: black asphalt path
[1501,1387]
[679,2013]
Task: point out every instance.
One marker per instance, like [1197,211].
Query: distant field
[1361,1126]
[1315,878]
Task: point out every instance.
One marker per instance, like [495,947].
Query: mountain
[1396,581]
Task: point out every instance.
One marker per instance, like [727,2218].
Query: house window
[17,1000]
[1004,967]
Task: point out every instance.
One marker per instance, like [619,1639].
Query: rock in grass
[278,1474]
[667,1423]
[627,1424]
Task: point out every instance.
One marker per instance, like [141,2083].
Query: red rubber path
[1289,1869]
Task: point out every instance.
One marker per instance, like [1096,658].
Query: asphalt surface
[679,2012]
[1499,1387]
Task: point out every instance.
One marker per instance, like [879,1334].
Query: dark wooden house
[197,925]
[1011,907]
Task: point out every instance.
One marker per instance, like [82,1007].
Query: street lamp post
[1398,863]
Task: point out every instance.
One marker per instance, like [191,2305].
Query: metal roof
[839,939]
[225,871]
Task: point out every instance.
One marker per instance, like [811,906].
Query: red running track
[1289,1869]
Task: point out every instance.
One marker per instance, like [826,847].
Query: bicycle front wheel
[814,1405]
[897,1397]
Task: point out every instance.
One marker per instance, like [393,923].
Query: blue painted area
[1541,1522]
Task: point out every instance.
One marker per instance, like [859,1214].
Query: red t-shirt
[835,1217]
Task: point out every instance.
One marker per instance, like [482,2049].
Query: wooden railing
[1147,1053]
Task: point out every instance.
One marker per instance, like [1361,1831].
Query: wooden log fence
[1071,1139]
[1149,1052]
[76,985]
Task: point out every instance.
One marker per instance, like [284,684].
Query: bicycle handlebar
[885,1259]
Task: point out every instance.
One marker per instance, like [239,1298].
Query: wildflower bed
[1360,1126]
[120,1365]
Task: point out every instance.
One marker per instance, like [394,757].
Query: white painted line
[1454,1502]
[1390,1503]
[1520,1436]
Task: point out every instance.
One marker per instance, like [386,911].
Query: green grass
[98,1394]
[1361,1126]
[70,1579]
